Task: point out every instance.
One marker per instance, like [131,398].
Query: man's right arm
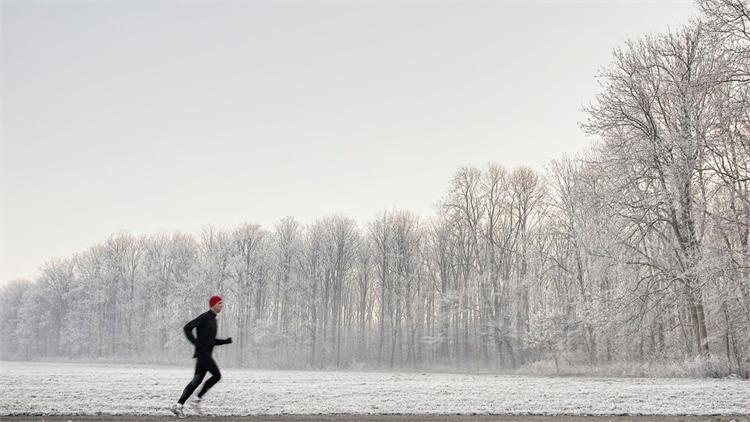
[189,329]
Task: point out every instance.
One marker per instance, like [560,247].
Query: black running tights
[204,363]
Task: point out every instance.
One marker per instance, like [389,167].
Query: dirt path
[383,418]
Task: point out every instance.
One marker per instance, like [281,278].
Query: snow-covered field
[79,389]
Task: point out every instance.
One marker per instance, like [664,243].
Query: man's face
[217,308]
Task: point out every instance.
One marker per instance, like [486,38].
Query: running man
[204,346]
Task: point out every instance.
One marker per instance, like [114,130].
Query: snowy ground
[90,389]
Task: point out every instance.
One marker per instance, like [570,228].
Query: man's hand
[229,340]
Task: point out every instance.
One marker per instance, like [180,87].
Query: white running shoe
[178,411]
[195,405]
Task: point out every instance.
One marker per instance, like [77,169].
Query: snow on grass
[85,389]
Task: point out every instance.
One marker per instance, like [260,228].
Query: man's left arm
[220,341]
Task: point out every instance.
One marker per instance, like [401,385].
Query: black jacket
[206,327]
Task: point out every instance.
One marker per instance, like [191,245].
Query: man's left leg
[215,376]
[210,365]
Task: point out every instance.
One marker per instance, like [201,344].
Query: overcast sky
[144,117]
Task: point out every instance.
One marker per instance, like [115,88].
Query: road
[382,418]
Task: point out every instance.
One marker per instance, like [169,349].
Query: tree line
[635,250]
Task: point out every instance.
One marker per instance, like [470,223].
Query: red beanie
[213,301]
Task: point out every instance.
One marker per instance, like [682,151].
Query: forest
[632,252]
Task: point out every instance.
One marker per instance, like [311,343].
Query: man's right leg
[200,372]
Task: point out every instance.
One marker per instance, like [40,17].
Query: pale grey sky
[150,116]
